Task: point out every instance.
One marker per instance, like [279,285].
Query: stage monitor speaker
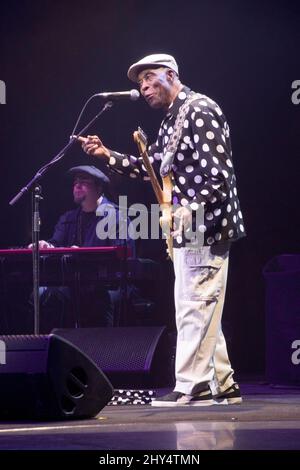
[131,357]
[46,377]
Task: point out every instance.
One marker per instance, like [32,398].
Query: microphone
[116,95]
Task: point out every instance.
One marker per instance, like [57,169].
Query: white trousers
[201,353]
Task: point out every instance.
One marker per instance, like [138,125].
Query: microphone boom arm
[59,156]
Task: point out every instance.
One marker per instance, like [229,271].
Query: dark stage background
[245,55]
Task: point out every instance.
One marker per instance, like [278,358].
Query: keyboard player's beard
[79,199]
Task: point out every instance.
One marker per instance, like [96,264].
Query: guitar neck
[163,195]
[153,178]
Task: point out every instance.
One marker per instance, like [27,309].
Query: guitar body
[163,195]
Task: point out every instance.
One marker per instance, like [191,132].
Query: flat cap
[151,61]
[92,171]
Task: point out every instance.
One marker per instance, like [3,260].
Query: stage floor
[268,418]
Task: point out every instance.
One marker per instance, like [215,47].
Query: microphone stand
[36,223]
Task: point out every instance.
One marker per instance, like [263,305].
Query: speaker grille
[124,349]
[25,342]
[130,356]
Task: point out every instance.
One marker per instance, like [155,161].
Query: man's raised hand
[92,145]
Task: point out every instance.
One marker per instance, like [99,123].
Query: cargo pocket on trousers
[203,282]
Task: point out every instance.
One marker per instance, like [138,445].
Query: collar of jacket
[174,107]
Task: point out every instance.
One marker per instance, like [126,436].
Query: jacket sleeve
[133,167]
[59,237]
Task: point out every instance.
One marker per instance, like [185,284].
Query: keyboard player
[77,228]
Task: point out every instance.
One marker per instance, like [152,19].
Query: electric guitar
[163,195]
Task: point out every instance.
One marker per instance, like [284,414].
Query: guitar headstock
[140,138]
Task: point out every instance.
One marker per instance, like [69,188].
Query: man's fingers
[89,149]
[88,139]
[90,143]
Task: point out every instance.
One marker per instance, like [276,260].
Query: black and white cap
[152,61]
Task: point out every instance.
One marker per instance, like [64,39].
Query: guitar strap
[172,145]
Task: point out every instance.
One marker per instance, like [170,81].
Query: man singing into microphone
[193,146]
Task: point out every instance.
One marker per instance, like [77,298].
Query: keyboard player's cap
[92,171]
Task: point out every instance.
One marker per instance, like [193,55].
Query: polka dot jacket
[203,173]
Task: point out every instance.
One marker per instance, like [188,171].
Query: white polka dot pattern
[203,169]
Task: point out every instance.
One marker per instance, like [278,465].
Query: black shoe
[181,399]
[203,398]
[232,395]
[171,399]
